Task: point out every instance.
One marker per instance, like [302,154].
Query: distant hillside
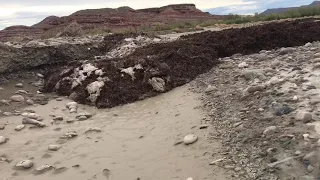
[283,10]
[109,19]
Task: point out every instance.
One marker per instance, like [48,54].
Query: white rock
[243,65]
[275,63]
[270,130]
[30,102]
[1,89]
[33,122]
[3,140]
[260,109]
[53,147]
[158,84]
[189,139]
[59,99]
[19,85]
[86,114]
[21,92]
[25,114]
[295,98]
[17,98]
[73,110]
[317,55]
[94,90]
[25,164]
[7,113]
[72,104]
[4,102]
[33,116]
[210,88]
[286,50]
[190,178]
[40,75]
[19,127]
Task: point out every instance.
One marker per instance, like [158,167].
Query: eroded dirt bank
[160,67]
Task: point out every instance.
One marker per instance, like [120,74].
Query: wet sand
[137,142]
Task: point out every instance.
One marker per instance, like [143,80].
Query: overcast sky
[29,12]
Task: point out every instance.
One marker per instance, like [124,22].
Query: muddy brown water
[137,141]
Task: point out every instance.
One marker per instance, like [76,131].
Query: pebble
[30,102]
[25,164]
[190,139]
[59,99]
[283,110]
[42,169]
[19,85]
[317,55]
[87,115]
[1,89]
[53,147]
[19,127]
[72,104]
[295,98]
[190,178]
[73,110]
[304,116]
[94,129]
[252,89]
[21,92]
[210,89]
[40,75]
[33,122]
[270,129]
[243,65]
[33,116]
[82,118]
[58,118]
[310,168]
[3,139]
[17,98]
[7,113]
[69,135]
[2,127]
[284,50]
[4,102]
[275,63]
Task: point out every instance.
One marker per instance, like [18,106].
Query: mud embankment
[160,67]
[44,53]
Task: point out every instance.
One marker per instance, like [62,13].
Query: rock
[30,102]
[82,118]
[210,88]
[19,85]
[317,55]
[19,127]
[243,65]
[270,129]
[310,168]
[85,114]
[59,99]
[54,147]
[295,98]
[33,116]
[4,102]
[252,89]
[7,113]
[3,139]
[253,74]
[74,96]
[42,169]
[33,122]
[283,110]
[25,164]
[94,129]
[310,156]
[316,60]
[2,127]
[58,118]
[275,63]
[73,110]
[70,121]
[69,135]
[21,92]
[304,116]
[190,178]
[190,139]
[25,114]
[71,105]
[284,51]
[1,89]
[158,84]
[17,98]
[40,75]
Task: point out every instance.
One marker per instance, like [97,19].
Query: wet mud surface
[185,58]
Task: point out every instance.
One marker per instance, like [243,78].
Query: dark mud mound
[173,64]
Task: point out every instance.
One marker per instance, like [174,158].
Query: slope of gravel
[264,107]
